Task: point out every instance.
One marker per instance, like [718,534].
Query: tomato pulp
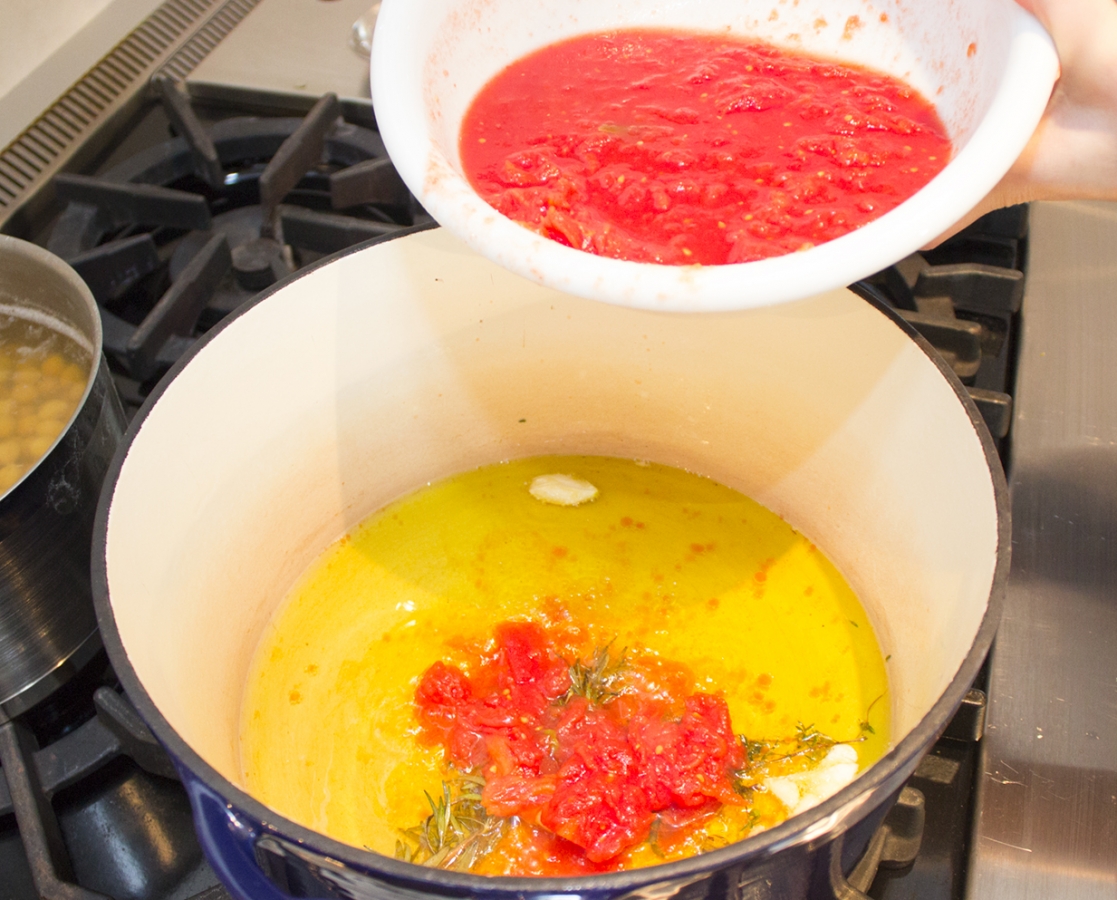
[685,149]
[592,752]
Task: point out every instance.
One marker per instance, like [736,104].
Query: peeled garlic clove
[802,790]
[562,490]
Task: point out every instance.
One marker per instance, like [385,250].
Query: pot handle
[229,843]
[894,845]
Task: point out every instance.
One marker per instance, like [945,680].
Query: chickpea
[48,428]
[9,451]
[9,475]
[25,392]
[41,383]
[55,409]
[34,447]
[53,365]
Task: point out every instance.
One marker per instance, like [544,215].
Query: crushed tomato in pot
[570,761]
[683,149]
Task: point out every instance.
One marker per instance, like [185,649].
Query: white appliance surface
[298,48]
[47,46]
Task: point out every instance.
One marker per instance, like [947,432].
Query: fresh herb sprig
[600,679]
[765,758]
[864,725]
[458,831]
[808,742]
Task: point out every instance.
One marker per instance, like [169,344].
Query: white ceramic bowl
[987,65]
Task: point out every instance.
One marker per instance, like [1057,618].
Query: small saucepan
[48,629]
[414,358]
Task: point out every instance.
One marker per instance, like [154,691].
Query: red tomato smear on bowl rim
[683,149]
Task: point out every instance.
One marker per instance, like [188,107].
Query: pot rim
[807,830]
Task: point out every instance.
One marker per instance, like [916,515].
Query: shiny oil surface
[661,559]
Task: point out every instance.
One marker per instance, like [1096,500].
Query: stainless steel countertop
[1047,799]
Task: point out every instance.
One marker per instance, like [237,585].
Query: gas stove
[221,146]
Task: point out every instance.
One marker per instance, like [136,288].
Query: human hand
[1073,153]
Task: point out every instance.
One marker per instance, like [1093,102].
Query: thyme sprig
[458,831]
[864,725]
[600,679]
[808,742]
[764,758]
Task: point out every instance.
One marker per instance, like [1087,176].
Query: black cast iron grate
[178,235]
[88,797]
[964,297]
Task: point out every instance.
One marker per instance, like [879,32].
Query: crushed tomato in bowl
[682,149]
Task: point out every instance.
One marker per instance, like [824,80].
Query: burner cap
[257,263]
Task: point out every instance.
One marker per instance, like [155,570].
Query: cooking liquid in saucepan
[513,647]
[43,375]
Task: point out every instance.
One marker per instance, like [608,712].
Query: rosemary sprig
[600,679]
[808,741]
[458,832]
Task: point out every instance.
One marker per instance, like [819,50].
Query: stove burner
[240,228]
[177,236]
[259,263]
[78,769]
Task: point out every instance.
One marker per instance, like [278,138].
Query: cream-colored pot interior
[416,358]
